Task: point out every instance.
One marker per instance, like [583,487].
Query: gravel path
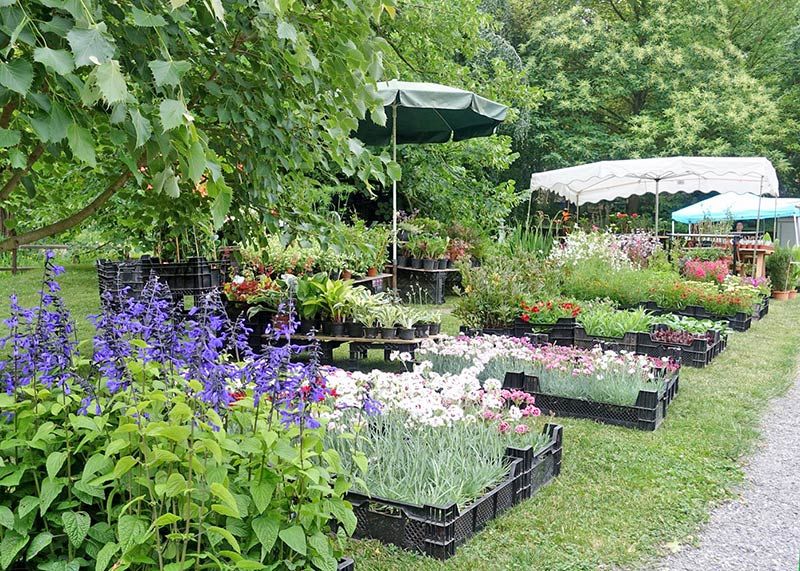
[759,531]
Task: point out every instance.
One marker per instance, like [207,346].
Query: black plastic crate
[647,413]
[346,564]
[437,531]
[585,341]
[698,354]
[562,332]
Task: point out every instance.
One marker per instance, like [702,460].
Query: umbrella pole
[775,220]
[394,200]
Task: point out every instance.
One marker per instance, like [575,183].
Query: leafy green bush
[602,319]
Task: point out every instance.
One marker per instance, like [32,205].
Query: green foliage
[778,268]
[604,320]
[246,116]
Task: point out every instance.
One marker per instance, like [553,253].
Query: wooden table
[760,253]
[359,346]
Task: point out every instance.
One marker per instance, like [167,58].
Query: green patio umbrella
[427,113]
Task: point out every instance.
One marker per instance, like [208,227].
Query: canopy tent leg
[577,209]
[775,220]
[656,226]
[796,233]
[758,224]
[394,200]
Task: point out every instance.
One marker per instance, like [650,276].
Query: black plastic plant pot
[437,531]
[442,263]
[355,329]
[389,332]
[503,331]
[416,263]
[647,413]
[421,330]
[371,332]
[434,328]
[449,264]
[429,264]
[402,261]
[337,329]
[585,341]
[406,333]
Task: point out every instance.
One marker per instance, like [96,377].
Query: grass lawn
[624,496]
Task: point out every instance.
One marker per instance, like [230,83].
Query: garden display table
[376,284]
[413,283]
[359,346]
[748,253]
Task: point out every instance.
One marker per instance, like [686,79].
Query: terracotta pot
[792,294]
[346,275]
[780,295]
[372,272]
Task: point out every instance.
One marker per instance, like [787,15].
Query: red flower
[536,310]
[525,317]
[238,395]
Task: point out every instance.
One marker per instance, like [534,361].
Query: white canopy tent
[607,180]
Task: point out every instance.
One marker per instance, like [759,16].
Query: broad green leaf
[76,526]
[146,20]
[18,159]
[345,515]
[174,433]
[287,31]
[27,505]
[221,205]
[174,486]
[295,538]
[111,82]
[123,465]
[227,535]
[262,495]
[166,519]
[60,61]
[171,112]
[6,517]
[105,555]
[96,463]
[218,10]
[58,123]
[16,75]
[168,72]
[196,162]
[116,446]
[39,542]
[177,3]
[82,144]
[226,497]
[90,46]
[142,127]
[54,463]
[131,530]
[394,171]
[9,138]
[266,531]
[50,491]
[11,545]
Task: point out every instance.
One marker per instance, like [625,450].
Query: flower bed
[437,531]
[692,350]
[646,413]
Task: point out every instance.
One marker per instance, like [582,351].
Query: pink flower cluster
[707,271]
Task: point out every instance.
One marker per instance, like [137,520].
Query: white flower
[238,280]
[492,385]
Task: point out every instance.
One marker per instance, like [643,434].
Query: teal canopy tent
[737,207]
[427,113]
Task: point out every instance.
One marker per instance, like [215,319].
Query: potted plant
[334,298]
[378,243]
[778,270]
[406,319]
[434,319]
[418,248]
[358,302]
[421,326]
[309,301]
[386,317]
[457,249]
[437,249]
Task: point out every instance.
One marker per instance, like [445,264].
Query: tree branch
[13,182]
[616,10]
[71,221]
[5,118]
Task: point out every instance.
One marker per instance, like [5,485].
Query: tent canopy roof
[737,207]
[431,113]
[607,180]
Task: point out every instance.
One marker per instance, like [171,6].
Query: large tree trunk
[71,221]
